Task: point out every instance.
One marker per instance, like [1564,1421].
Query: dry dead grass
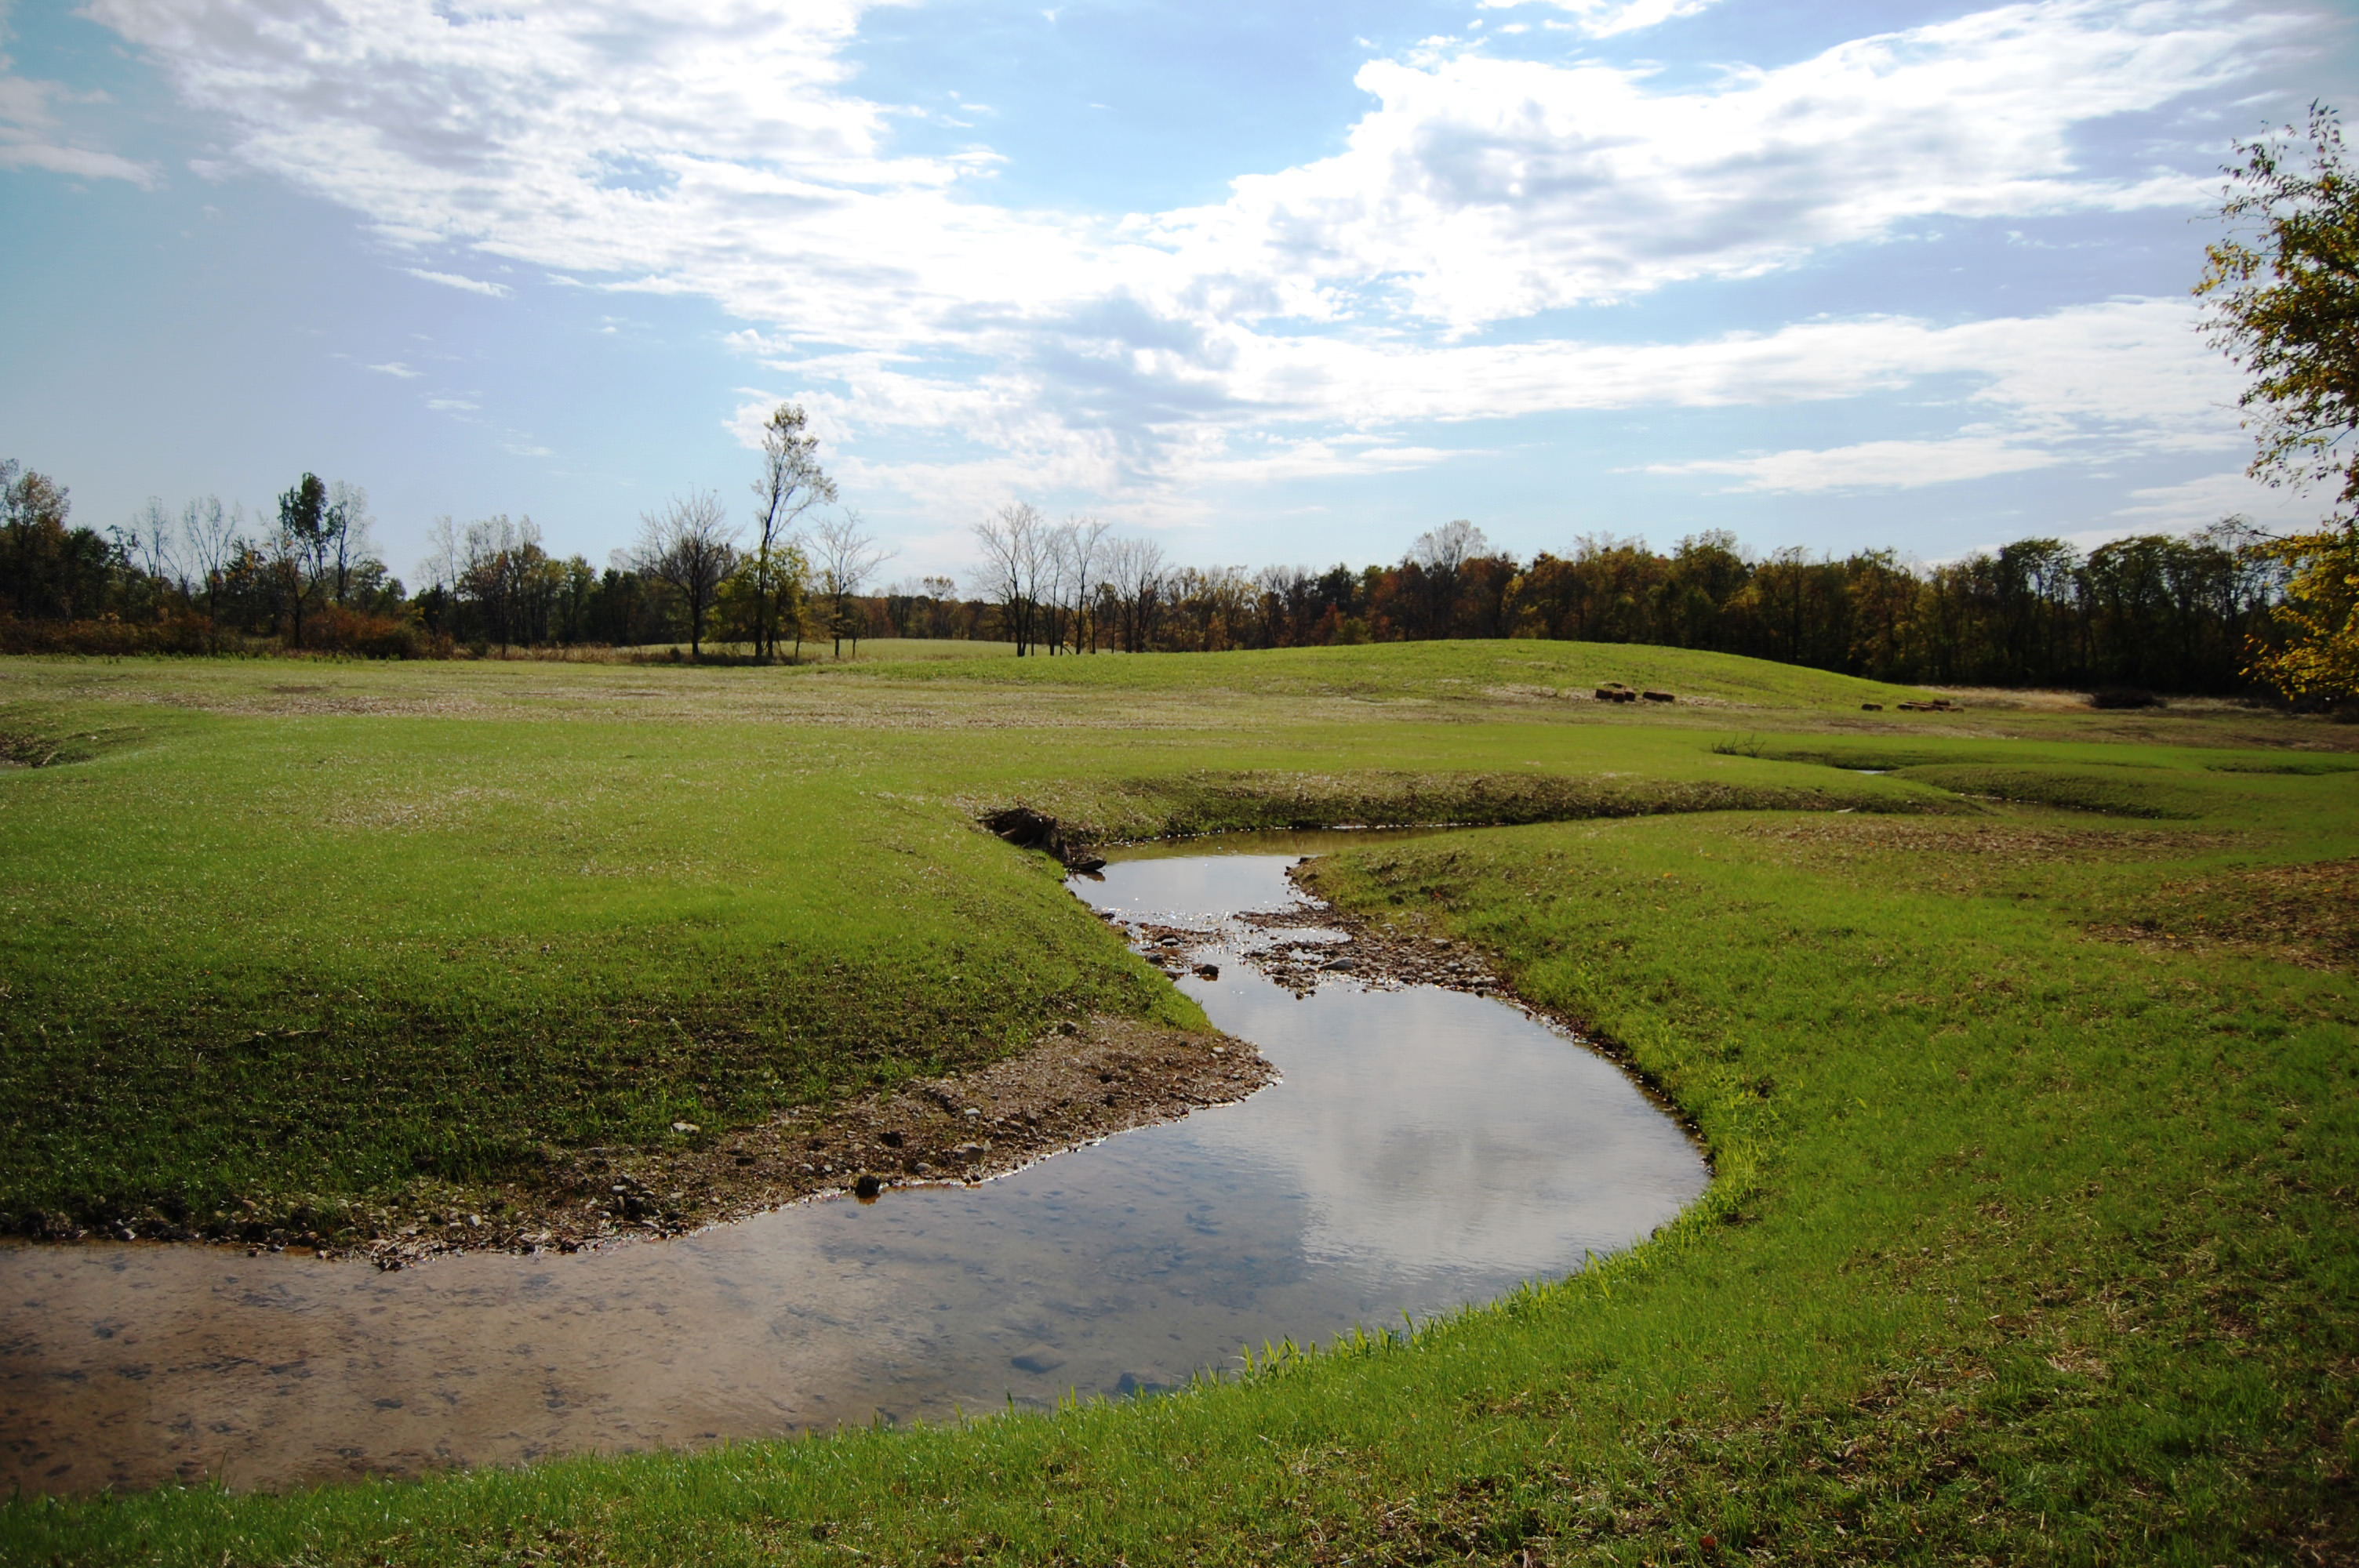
[2300,914]
[1848,836]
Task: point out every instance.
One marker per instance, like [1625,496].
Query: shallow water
[1426,1149]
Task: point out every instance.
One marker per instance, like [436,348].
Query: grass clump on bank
[2033,1238]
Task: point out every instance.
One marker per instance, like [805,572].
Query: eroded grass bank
[2033,1239]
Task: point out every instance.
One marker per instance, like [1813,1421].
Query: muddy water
[1425,1149]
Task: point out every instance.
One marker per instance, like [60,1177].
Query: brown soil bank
[1079,1083]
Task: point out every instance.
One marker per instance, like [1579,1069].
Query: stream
[1425,1149]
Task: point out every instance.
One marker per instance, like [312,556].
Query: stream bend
[1425,1149]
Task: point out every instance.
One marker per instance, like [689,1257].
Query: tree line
[211,579]
[2156,610]
[2153,611]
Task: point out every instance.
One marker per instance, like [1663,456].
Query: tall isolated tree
[690,547]
[305,536]
[2283,288]
[791,483]
[845,555]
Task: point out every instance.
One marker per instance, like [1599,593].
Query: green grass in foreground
[2027,1244]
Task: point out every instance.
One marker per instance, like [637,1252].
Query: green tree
[307,530]
[2284,298]
[791,483]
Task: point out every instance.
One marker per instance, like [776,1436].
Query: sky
[1271,285]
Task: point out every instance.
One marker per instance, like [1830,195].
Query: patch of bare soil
[1075,1086]
[2304,915]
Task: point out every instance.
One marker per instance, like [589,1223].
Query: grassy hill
[2026,1062]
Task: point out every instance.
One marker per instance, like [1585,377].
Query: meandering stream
[1425,1149]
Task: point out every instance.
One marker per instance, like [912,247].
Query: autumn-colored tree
[2284,294]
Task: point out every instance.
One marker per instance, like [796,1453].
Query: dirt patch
[2303,915]
[1076,1085]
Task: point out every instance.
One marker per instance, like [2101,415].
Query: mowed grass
[2032,1232]
[285,942]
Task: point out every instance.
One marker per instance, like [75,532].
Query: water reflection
[1425,1149]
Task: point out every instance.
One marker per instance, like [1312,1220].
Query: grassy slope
[2026,1246]
[288,939]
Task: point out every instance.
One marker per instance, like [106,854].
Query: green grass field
[2026,1062]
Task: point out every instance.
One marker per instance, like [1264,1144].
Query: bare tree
[790,484]
[348,515]
[1077,550]
[1135,569]
[845,556]
[1013,551]
[1443,552]
[147,543]
[1444,549]
[690,547]
[211,538]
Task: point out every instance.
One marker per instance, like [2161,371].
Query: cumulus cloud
[1483,189]
[717,147]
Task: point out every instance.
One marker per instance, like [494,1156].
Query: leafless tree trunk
[211,538]
[1013,548]
[348,508]
[847,556]
[690,546]
[1136,568]
[1084,545]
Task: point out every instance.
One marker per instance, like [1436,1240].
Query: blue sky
[1272,284]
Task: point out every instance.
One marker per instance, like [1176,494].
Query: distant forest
[2156,612]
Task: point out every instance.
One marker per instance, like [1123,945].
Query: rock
[1039,1359]
[866,1186]
[1871,707]
[890,1140]
[1208,971]
[686,1127]
[1657,697]
[1341,966]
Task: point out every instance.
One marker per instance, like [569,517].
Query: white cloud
[715,148]
[32,135]
[1485,189]
[1604,18]
[1897,465]
[456,280]
[396,368]
[2194,502]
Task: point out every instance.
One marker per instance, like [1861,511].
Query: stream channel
[1425,1149]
